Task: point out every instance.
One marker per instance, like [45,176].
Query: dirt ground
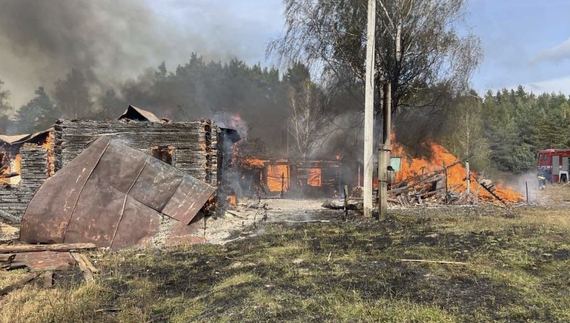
[242,220]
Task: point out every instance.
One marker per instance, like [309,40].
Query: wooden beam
[435,262]
[13,265]
[84,267]
[47,247]
[88,263]
[47,279]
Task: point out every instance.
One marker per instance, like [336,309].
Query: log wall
[194,144]
[34,170]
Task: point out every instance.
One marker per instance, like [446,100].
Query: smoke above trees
[91,59]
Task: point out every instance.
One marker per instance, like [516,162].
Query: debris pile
[43,261]
[443,179]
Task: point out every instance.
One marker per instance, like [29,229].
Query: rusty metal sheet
[50,210]
[134,113]
[96,215]
[118,167]
[139,216]
[188,199]
[156,184]
[20,139]
[113,196]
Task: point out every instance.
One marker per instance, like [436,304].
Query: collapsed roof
[19,139]
[113,196]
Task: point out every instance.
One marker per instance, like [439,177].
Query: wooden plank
[345,191]
[13,265]
[47,247]
[18,284]
[84,267]
[8,229]
[435,262]
[88,263]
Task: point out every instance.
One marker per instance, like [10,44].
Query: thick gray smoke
[109,41]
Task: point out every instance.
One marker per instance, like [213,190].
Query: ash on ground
[245,219]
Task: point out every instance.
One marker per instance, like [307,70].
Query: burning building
[25,162]
[196,148]
[292,177]
[441,170]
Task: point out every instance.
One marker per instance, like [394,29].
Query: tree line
[518,124]
[279,109]
[313,108]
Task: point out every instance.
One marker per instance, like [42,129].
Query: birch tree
[418,42]
[307,124]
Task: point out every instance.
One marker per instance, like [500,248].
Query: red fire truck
[554,162]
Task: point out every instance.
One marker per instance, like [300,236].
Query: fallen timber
[416,189]
[432,177]
[47,247]
[490,190]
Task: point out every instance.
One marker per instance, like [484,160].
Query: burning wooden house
[292,177]
[196,148]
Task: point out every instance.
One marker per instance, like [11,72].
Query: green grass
[516,271]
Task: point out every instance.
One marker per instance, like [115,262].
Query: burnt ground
[481,264]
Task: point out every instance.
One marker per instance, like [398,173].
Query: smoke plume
[109,41]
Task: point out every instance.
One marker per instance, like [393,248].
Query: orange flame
[414,168]
[277,177]
[17,164]
[250,163]
[232,200]
[314,177]
[48,142]
[14,166]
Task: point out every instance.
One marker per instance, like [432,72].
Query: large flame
[412,170]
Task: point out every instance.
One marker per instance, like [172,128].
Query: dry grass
[517,271]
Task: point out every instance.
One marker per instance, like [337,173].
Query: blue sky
[525,41]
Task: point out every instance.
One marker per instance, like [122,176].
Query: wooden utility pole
[384,155]
[369,109]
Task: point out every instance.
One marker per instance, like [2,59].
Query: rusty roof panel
[119,168]
[113,196]
[19,139]
[138,216]
[134,113]
[96,215]
[156,184]
[58,196]
[184,206]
